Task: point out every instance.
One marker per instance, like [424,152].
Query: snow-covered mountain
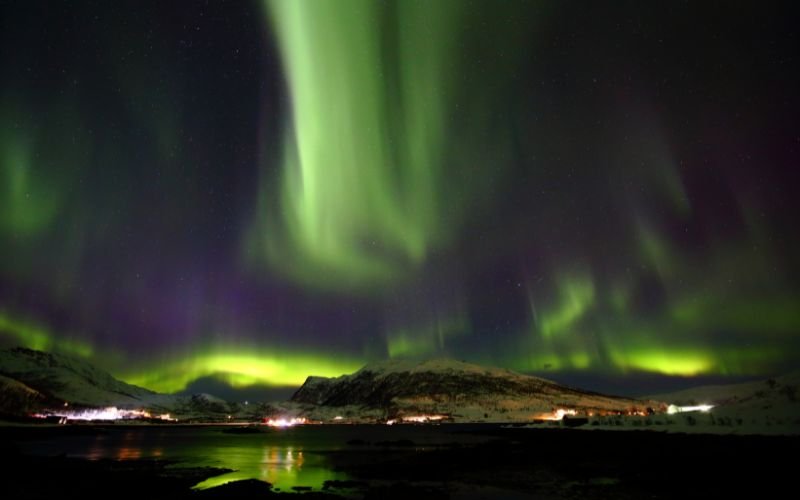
[774,400]
[18,398]
[454,389]
[732,393]
[33,380]
[764,407]
[68,379]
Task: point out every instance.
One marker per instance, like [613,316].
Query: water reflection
[285,458]
[129,449]
[281,466]
[96,448]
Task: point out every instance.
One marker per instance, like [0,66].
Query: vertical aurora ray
[352,203]
[430,338]
[34,158]
[369,184]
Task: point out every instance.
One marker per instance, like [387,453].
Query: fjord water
[285,458]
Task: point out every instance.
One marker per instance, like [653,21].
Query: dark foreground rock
[405,490]
[571,464]
[61,477]
[247,488]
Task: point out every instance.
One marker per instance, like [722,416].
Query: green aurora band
[240,367]
[35,336]
[236,364]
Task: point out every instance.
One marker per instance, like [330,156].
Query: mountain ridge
[33,381]
[460,390]
[70,379]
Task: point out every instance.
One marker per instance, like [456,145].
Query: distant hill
[461,391]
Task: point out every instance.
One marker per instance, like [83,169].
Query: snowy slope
[32,380]
[764,407]
[68,379]
[769,406]
[731,393]
[17,398]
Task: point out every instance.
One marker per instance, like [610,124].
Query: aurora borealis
[252,192]
[376,129]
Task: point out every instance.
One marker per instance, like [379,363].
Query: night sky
[239,194]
